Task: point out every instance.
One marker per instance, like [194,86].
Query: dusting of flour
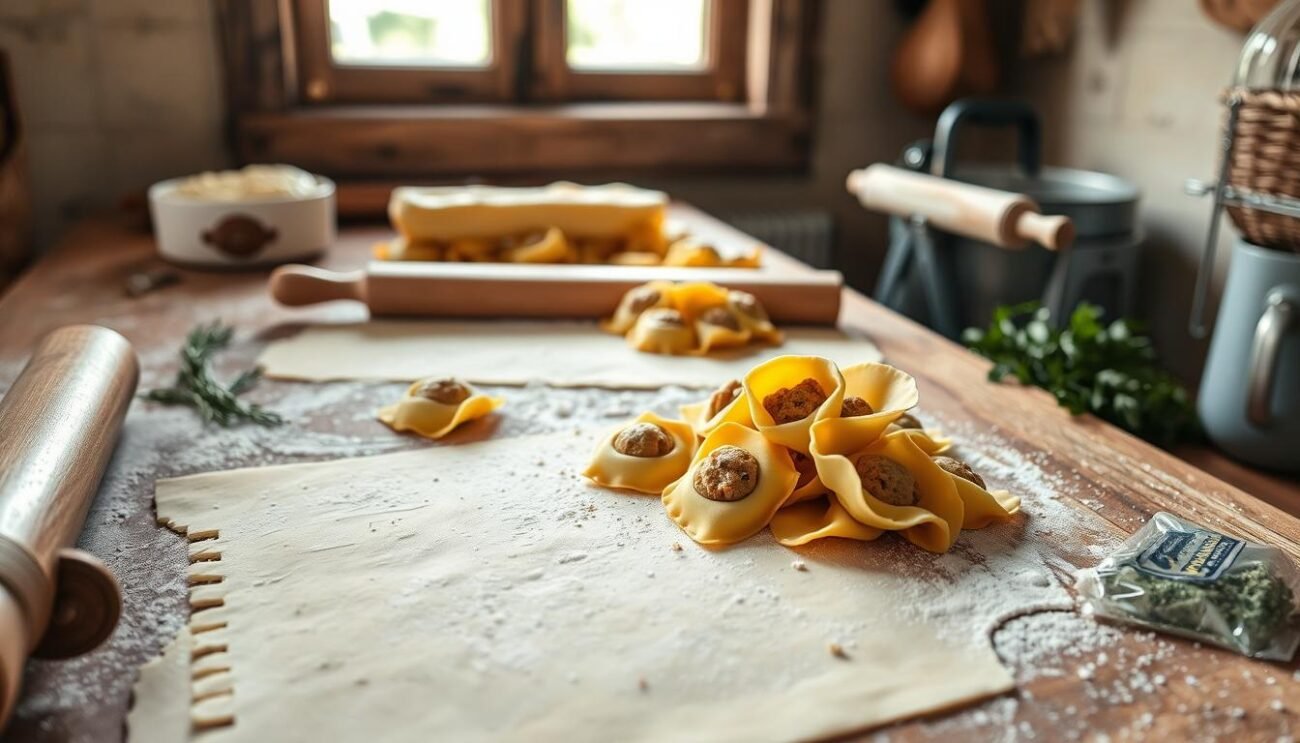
[71,700]
[1002,580]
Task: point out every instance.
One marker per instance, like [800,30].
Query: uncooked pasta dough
[487,592]
[514,353]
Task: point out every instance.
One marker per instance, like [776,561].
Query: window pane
[417,33]
[664,35]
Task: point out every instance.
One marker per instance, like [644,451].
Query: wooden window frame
[722,79]
[321,80]
[271,120]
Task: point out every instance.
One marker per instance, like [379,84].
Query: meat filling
[445,391]
[720,317]
[854,407]
[728,473]
[887,480]
[790,404]
[960,469]
[643,440]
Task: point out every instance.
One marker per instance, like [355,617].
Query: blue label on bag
[1199,556]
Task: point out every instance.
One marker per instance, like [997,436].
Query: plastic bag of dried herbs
[1178,577]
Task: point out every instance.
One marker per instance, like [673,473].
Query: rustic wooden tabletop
[1182,692]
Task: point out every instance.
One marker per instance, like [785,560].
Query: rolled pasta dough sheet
[514,353]
[162,694]
[486,592]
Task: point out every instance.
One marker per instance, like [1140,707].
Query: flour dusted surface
[487,591]
[334,420]
[83,700]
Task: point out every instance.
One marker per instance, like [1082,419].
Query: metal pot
[1101,267]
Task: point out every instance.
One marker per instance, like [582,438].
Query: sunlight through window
[411,33]
[658,35]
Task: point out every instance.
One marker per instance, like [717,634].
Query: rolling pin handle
[298,285]
[1053,233]
[87,604]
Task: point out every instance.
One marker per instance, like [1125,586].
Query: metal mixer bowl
[1099,268]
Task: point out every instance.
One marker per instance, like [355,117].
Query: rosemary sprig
[195,386]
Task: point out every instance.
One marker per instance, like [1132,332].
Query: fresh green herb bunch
[1249,603]
[1107,370]
[195,386]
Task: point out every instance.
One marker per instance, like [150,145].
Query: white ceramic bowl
[254,231]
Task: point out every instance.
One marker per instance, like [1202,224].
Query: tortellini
[753,317]
[433,407]
[662,330]
[636,301]
[875,395]
[805,522]
[470,250]
[808,449]
[549,247]
[610,239]
[736,482]
[690,252]
[727,404]
[889,484]
[931,440]
[719,327]
[787,394]
[982,506]
[704,318]
[646,455]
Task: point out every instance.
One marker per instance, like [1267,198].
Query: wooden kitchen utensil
[59,424]
[1003,218]
[948,53]
[516,290]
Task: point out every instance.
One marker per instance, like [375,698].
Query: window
[434,33]
[380,88]
[404,51]
[642,50]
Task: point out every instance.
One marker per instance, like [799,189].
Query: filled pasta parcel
[1179,577]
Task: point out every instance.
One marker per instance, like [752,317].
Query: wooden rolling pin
[516,290]
[1002,218]
[60,421]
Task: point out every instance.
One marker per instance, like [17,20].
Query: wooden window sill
[378,141]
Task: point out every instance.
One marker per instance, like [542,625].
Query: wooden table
[85,699]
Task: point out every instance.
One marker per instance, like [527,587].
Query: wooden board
[81,281]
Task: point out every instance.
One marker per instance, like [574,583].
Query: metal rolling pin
[59,423]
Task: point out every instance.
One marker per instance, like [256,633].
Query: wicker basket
[1266,159]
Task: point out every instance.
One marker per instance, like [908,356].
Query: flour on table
[335,420]
[507,600]
[512,353]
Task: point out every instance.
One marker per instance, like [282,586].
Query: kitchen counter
[1122,686]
